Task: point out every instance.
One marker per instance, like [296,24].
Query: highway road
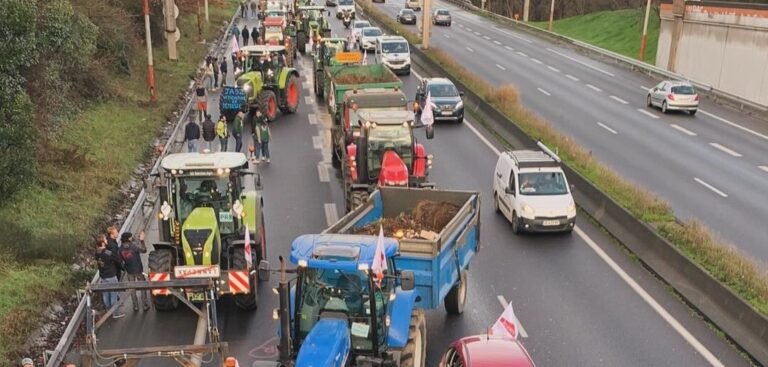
[712,166]
[581,300]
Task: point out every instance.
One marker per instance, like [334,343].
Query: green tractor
[209,202]
[326,56]
[269,82]
[311,23]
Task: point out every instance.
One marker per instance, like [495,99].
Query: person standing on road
[223,69]
[243,12]
[256,120]
[192,135]
[202,100]
[130,254]
[109,268]
[215,67]
[264,135]
[223,133]
[209,76]
[245,33]
[112,234]
[255,34]
[209,132]
[237,130]
[234,31]
[254,9]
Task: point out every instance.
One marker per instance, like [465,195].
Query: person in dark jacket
[209,132]
[237,130]
[223,69]
[109,268]
[192,135]
[245,35]
[215,66]
[130,253]
[112,235]
[255,34]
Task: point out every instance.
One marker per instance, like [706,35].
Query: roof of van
[532,159]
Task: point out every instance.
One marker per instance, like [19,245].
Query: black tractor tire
[301,42]
[457,296]
[267,98]
[292,86]
[248,302]
[319,91]
[415,352]
[335,156]
[358,198]
[161,261]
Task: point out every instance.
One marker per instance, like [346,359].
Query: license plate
[196,297]
[447,113]
[551,222]
[225,217]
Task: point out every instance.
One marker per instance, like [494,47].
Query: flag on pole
[379,259]
[506,325]
[365,57]
[427,117]
[311,42]
[235,46]
[247,248]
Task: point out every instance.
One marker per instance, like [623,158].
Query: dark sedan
[406,16]
[447,103]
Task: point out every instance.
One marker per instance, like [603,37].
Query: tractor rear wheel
[291,102]
[161,261]
[250,300]
[457,296]
[358,198]
[268,104]
[415,352]
[301,42]
[318,86]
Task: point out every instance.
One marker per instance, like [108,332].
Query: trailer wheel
[161,261]
[415,352]
[245,301]
[457,296]
[358,198]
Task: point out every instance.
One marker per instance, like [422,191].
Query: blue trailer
[337,315]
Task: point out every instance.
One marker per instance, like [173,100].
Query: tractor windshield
[333,290]
[205,191]
[275,32]
[388,137]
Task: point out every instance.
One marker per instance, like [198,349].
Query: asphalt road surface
[581,300]
[712,166]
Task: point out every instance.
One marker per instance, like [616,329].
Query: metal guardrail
[651,70]
[58,354]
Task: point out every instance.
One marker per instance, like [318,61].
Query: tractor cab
[276,31]
[312,21]
[328,49]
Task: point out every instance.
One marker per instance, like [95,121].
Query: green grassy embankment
[619,31]
[62,211]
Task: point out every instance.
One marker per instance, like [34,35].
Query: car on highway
[441,17]
[330,3]
[369,36]
[486,351]
[413,4]
[531,191]
[672,95]
[406,16]
[447,102]
[393,51]
[357,27]
[348,5]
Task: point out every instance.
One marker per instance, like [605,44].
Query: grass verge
[60,213]
[721,260]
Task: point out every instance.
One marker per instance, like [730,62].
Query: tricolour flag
[379,259]
[427,117]
[506,325]
[247,248]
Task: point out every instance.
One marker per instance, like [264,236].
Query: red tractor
[275,32]
[384,152]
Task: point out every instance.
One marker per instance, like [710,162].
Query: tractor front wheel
[161,261]
[248,301]
[415,352]
[268,104]
[291,95]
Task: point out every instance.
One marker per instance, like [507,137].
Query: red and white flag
[506,325]
[379,259]
[427,117]
[235,46]
[247,248]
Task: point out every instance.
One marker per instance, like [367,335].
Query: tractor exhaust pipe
[283,292]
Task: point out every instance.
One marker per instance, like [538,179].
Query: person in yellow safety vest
[231,362]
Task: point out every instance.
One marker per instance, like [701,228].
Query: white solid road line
[755,133]
[478,34]
[470,50]
[596,89]
[680,329]
[312,119]
[682,129]
[710,187]
[487,38]
[580,62]
[504,304]
[322,172]
[553,68]
[509,48]
[604,126]
[521,54]
[309,100]
[649,114]
[764,168]
[544,92]
[617,99]
[497,42]
[331,214]
[446,35]
[317,142]
[571,77]
[727,150]
[501,67]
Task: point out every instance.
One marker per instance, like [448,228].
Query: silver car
[441,16]
[671,95]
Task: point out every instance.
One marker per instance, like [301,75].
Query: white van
[393,51]
[531,191]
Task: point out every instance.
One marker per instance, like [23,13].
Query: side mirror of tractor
[264,270]
[407,280]
[430,132]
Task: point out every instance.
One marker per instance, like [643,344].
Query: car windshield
[372,32]
[443,90]
[362,24]
[345,2]
[394,47]
[333,290]
[542,183]
[442,12]
[273,32]
[406,12]
[205,191]
[388,137]
[683,89]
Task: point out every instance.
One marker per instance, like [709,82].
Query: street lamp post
[150,62]
[645,30]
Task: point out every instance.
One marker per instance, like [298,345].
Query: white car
[672,95]
[357,28]
[393,51]
[413,4]
[345,4]
[531,191]
[369,36]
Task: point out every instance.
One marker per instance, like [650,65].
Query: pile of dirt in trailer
[425,221]
[361,78]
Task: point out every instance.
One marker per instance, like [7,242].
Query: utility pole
[526,6]
[426,24]
[645,30]
[199,23]
[206,11]
[551,14]
[170,28]
[150,62]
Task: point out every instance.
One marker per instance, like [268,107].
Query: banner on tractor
[348,57]
[197,271]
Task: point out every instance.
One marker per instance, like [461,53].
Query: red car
[485,351]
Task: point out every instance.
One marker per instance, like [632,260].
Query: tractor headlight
[246,88]
[302,263]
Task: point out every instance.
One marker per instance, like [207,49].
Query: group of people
[118,261]
[246,6]
[245,34]
[260,131]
